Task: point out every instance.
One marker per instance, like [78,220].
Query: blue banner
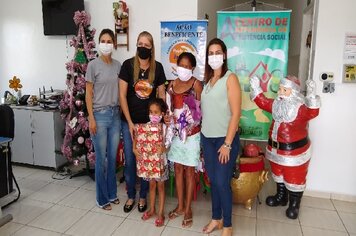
[183,36]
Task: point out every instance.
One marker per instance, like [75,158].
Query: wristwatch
[226,145]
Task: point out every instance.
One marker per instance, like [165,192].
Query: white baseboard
[332,196]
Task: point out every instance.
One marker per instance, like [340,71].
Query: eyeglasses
[144,45]
[219,52]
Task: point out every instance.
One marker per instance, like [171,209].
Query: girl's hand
[224,154]
[135,151]
[92,126]
[167,119]
[162,149]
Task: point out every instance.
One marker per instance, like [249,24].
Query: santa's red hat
[290,82]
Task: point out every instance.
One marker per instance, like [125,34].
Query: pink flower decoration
[81,17]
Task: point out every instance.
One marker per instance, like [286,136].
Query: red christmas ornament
[251,150]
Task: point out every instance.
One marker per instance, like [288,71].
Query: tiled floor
[67,207]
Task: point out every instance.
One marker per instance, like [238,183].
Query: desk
[4,219]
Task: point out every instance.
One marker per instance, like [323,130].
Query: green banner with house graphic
[257,45]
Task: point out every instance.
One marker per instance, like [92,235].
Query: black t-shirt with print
[140,93]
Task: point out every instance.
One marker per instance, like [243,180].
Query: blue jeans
[130,166]
[220,176]
[106,141]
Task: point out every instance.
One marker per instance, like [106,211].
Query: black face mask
[143,53]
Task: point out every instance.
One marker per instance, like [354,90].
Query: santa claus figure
[289,148]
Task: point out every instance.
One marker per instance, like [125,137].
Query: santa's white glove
[312,100]
[311,87]
[255,87]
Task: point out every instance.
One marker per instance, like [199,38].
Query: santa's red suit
[288,147]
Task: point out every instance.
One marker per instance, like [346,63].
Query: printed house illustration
[261,71]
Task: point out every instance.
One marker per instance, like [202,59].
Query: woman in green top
[221,109]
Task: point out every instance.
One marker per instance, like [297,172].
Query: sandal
[159,221]
[174,214]
[116,201]
[187,223]
[208,228]
[147,215]
[106,207]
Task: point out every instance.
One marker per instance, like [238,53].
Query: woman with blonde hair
[142,78]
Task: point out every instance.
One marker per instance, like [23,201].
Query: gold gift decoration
[252,176]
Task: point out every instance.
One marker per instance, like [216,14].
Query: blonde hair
[151,75]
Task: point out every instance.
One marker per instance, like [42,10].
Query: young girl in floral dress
[150,152]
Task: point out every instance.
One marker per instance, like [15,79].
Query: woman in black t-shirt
[141,79]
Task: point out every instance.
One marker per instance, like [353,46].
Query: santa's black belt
[288,146]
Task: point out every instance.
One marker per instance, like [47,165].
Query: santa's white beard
[285,109]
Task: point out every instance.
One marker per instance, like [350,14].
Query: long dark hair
[209,72]
[109,32]
[160,103]
[189,56]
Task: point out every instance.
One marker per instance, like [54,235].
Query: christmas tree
[77,144]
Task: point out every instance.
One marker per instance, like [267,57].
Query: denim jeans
[130,166]
[220,176]
[106,141]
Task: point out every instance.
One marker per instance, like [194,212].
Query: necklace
[142,71]
[208,88]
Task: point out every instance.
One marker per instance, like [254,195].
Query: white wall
[39,60]
[333,132]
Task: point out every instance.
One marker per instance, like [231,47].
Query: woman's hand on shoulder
[198,88]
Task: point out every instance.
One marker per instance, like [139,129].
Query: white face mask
[215,61]
[184,74]
[106,48]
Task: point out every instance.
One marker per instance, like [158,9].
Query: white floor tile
[80,198]
[134,227]
[268,228]
[58,218]
[320,203]
[308,231]
[89,185]
[31,184]
[171,231]
[27,210]
[52,193]
[45,175]
[93,224]
[22,172]
[274,213]
[9,228]
[239,209]
[74,182]
[319,218]
[349,220]
[241,225]
[67,207]
[342,206]
[31,231]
